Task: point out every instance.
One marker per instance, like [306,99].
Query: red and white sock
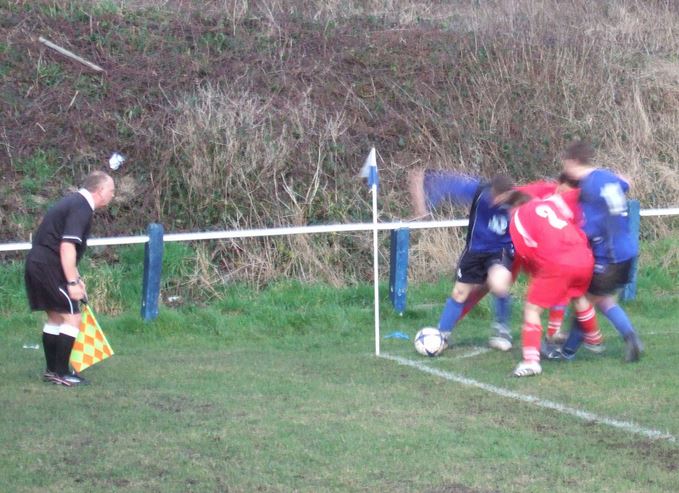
[589,325]
[556,314]
[531,336]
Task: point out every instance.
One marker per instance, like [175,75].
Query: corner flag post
[369,171]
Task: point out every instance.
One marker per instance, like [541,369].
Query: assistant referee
[53,283]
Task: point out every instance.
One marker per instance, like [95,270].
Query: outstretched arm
[429,188]
[417,195]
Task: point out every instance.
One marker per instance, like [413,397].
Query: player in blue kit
[488,254]
[606,224]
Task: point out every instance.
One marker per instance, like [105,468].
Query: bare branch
[70,54]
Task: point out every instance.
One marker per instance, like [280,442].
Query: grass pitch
[280,391]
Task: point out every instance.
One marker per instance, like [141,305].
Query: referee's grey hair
[94,180]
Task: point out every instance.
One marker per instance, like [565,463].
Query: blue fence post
[629,292]
[398,268]
[153,264]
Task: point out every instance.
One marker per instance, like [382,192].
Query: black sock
[50,344]
[64,354]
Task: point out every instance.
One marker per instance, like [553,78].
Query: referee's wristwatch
[74,283]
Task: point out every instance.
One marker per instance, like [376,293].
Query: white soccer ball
[429,342]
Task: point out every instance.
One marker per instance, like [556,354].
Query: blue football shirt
[606,217]
[488,229]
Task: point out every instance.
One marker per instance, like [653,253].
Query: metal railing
[282,231]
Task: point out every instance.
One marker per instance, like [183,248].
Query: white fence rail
[292,230]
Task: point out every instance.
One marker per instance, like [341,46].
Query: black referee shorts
[46,288]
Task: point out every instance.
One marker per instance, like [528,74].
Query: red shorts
[550,287]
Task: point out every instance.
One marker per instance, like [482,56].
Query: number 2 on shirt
[547,212]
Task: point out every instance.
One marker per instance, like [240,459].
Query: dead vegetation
[244,114]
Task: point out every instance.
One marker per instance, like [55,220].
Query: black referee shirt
[67,220]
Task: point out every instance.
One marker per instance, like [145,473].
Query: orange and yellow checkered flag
[90,346]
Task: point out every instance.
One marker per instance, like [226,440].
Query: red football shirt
[544,236]
[543,189]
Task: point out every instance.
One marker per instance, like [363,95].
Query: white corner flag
[369,171]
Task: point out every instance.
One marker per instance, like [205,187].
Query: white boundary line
[474,351]
[555,406]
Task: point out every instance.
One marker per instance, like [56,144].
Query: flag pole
[369,171]
[376,269]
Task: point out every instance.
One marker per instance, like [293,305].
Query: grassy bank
[245,114]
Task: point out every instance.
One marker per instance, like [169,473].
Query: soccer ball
[429,342]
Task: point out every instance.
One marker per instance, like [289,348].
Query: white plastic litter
[116,161]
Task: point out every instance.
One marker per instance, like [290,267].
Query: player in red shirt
[570,193]
[556,255]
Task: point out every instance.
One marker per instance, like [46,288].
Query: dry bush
[103,290]
[232,155]
[434,253]
[270,127]
[300,257]
[227,148]
[203,280]
[522,79]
